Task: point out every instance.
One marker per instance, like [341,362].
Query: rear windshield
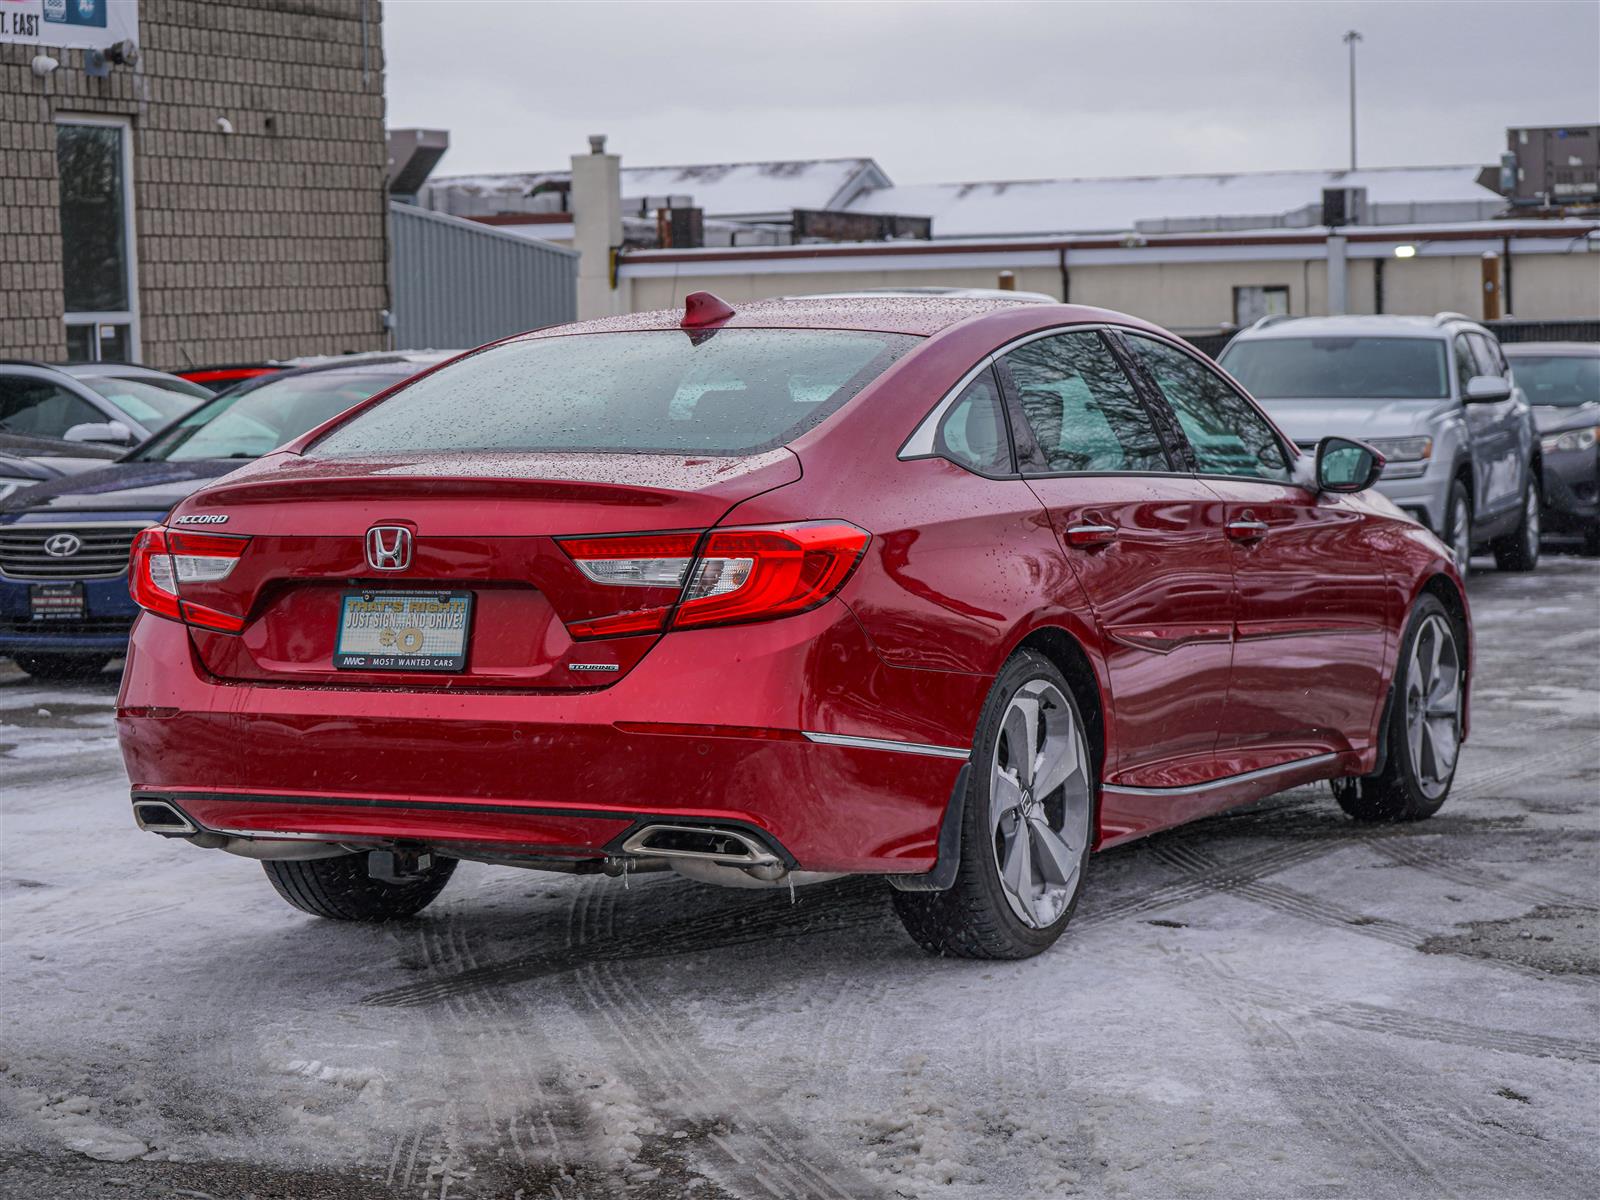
[1561,380]
[1340,368]
[250,423]
[737,391]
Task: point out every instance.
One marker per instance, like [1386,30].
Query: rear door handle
[1089,536]
[1246,529]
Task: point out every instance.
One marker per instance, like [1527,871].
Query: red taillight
[162,560]
[760,573]
[743,574]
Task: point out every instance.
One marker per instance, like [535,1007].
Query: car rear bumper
[715,726]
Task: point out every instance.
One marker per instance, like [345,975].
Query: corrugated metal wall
[458,284]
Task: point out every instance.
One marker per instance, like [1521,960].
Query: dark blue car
[64,605]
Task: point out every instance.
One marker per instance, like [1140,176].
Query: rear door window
[1081,408]
[736,391]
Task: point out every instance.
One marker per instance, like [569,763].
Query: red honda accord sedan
[945,590]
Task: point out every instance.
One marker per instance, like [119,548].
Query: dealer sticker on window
[403,631]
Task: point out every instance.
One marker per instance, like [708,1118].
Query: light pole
[1350,39]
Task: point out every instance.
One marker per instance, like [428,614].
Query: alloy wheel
[1433,705]
[1040,803]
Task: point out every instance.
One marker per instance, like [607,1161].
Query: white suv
[1436,398]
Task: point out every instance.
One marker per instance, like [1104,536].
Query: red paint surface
[1209,657]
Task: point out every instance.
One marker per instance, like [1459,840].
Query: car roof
[1369,325]
[111,370]
[1552,349]
[917,315]
[350,364]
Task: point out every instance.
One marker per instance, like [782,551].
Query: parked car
[105,403]
[222,376]
[951,591]
[1562,382]
[64,603]
[25,461]
[1434,395]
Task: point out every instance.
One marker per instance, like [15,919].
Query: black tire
[62,667]
[1519,549]
[974,919]
[1396,793]
[341,890]
[1458,508]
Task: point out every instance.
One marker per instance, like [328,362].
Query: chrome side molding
[866,743]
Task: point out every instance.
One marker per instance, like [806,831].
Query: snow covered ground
[1272,1003]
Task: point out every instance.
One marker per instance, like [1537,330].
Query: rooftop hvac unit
[1344,206]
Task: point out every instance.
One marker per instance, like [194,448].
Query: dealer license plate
[403,631]
[56,602]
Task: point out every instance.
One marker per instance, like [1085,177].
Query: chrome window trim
[867,743]
[1225,781]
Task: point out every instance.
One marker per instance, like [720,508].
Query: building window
[94,160]
[1250,304]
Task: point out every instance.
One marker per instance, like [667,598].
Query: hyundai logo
[62,545]
[388,547]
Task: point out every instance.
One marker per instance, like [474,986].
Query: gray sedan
[1562,383]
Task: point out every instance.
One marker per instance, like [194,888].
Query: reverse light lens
[761,573]
[743,574]
[1407,449]
[1572,439]
[161,560]
[657,560]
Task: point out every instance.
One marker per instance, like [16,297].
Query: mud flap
[943,875]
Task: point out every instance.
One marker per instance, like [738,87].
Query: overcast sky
[988,90]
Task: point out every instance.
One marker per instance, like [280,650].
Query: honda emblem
[388,547]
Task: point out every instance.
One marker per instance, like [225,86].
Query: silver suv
[1434,395]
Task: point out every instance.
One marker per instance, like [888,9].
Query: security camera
[124,53]
[224,125]
[44,65]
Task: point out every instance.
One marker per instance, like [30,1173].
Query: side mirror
[1346,466]
[114,432]
[1486,389]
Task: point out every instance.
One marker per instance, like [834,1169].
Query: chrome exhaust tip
[705,843]
[157,816]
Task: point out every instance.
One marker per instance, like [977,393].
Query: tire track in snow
[1408,853]
[739,922]
[765,1155]
[1436,1107]
[1319,911]
[1197,883]
[1374,1018]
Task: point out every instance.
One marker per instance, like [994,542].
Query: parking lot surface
[1273,1002]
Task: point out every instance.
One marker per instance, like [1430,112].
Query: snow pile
[617,1120]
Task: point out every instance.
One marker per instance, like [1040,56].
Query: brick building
[220,194]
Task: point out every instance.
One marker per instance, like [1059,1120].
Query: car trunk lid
[481,526]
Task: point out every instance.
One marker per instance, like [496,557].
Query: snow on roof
[1042,206]
[720,189]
